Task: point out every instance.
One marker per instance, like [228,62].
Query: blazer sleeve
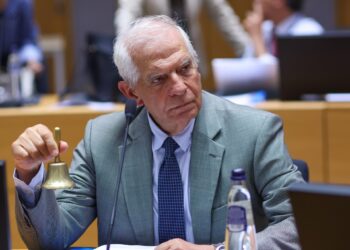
[274,172]
[58,220]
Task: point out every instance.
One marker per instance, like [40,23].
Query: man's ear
[126,90]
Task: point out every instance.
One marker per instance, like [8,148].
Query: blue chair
[303,168]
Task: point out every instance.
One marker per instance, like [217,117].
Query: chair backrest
[101,68]
[303,168]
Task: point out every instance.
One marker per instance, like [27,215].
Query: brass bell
[57,173]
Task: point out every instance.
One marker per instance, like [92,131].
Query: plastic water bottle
[13,69]
[240,228]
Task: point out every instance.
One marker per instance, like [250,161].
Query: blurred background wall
[72,20]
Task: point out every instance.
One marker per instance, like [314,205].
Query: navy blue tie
[170,196]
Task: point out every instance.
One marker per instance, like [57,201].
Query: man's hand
[254,20]
[179,244]
[34,146]
[35,66]
[253,25]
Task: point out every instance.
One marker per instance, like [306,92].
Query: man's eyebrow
[186,60]
[153,75]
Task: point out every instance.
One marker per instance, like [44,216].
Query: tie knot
[170,145]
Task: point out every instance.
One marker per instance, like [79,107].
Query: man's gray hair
[138,33]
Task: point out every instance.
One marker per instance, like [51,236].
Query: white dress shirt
[183,156]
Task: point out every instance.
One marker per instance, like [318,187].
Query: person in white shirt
[272,18]
[277,17]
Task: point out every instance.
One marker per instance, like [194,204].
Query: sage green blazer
[225,136]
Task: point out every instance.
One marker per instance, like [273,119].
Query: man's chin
[185,117]
[189,108]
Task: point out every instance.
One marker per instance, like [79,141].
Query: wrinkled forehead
[157,45]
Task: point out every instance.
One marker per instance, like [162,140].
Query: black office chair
[303,168]
[101,68]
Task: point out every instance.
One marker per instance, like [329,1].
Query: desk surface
[291,105]
[49,105]
[303,105]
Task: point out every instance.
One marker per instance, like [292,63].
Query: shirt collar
[183,139]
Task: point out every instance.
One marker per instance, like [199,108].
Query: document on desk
[126,247]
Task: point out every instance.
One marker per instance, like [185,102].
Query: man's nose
[178,86]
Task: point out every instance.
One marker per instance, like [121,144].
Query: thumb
[63,146]
[257,8]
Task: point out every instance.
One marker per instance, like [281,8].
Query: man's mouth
[179,109]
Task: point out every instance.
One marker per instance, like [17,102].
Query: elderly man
[199,136]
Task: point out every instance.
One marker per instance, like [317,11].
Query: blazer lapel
[138,178]
[206,157]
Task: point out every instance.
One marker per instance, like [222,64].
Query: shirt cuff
[219,246]
[29,193]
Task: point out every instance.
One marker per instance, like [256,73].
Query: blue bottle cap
[238,174]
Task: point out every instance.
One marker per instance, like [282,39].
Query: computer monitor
[317,64]
[5,243]
[322,215]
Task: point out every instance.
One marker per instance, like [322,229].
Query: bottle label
[236,219]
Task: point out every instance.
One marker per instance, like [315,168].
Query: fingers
[35,145]
[37,67]
[253,23]
[63,147]
[38,143]
[179,244]
[170,245]
[257,8]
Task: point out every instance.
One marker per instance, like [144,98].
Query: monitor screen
[4,217]
[321,214]
[314,65]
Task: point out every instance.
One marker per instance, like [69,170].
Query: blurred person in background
[267,20]
[187,13]
[18,34]
[270,18]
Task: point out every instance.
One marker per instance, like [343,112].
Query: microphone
[130,112]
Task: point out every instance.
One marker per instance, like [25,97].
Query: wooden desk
[319,133]
[338,142]
[305,133]
[72,121]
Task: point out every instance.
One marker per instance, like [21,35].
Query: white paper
[345,97]
[244,73]
[126,247]
[101,106]
[248,99]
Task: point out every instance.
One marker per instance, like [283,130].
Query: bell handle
[57,134]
